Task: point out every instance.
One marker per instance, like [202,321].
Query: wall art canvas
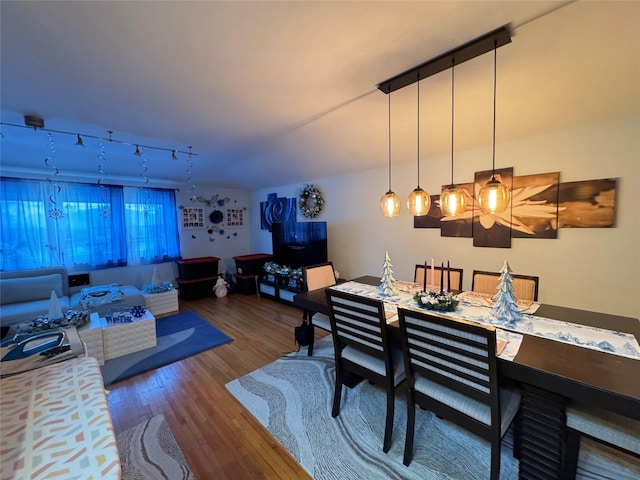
[277,210]
[461,225]
[534,206]
[193,217]
[432,218]
[492,230]
[587,204]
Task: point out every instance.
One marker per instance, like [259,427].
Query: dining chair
[362,347]
[455,274]
[321,275]
[605,427]
[451,369]
[525,286]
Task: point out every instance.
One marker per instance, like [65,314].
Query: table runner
[609,341]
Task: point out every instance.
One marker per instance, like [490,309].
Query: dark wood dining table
[551,375]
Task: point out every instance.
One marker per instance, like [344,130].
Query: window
[85,226]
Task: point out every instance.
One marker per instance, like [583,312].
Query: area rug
[292,398]
[179,336]
[149,451]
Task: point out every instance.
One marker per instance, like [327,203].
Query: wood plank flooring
[220,439]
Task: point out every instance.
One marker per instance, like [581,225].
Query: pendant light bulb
[390,204]
[390,201]
[494,196]
[453,200]
[419,201]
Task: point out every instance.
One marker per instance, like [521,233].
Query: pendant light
[452,199]
[494,196]
[419,201]
[390,202]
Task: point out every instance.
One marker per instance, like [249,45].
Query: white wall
[234,242]
[591,269]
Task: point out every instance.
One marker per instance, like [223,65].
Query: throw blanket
[93,297]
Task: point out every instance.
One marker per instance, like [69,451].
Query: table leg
[309,316]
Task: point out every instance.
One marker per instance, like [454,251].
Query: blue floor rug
[179,336]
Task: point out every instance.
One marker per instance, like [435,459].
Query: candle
[448,277]
[424,278]
[441,276]
[433,278]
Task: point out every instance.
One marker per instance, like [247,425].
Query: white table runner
[617,343]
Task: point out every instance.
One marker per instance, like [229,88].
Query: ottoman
[91,336]
[161,303]
[124,338]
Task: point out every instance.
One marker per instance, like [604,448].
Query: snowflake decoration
[56,213]
[105,212]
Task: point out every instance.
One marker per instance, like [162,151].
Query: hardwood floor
[220,439]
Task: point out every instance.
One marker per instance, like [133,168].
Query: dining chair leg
[388,429]
[495,459]
[571,453]
[411,421]
[337,394]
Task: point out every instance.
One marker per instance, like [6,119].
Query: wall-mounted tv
[299,244]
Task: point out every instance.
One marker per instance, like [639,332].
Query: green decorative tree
[387,286]
[504,307]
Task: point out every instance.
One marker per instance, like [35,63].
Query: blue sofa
[25,294]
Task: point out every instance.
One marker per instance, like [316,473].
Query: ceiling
[276,93]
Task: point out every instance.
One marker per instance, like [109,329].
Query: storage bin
[194,289]
[246,284]
[251,264]
[197,268]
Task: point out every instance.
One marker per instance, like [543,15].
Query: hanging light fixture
[390,202]
[452,198]
[419,201]
[494,196]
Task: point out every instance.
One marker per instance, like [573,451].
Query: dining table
[551,375]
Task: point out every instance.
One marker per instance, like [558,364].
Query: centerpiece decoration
[387,286]
[504,306]
[437,300]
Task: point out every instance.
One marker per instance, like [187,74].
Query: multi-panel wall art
[539,205]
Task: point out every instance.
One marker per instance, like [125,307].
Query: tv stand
[278,288]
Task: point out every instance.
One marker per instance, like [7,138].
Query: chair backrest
[318,276]
[451,354]
[525,286]
[359,322]
[455,273]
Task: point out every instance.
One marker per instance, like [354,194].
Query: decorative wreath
[310,202]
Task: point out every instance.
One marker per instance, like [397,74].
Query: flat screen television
[299,244]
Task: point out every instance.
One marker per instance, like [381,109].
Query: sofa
[26,294]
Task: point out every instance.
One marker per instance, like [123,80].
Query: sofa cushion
[16,290]
[27,311]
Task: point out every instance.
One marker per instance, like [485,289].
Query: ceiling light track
[479,46]
[37,123]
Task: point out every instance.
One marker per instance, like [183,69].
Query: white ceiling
[275,93]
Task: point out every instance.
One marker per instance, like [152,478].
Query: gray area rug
[292,398]
[150,452]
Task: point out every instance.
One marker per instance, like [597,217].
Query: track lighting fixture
[37,123]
